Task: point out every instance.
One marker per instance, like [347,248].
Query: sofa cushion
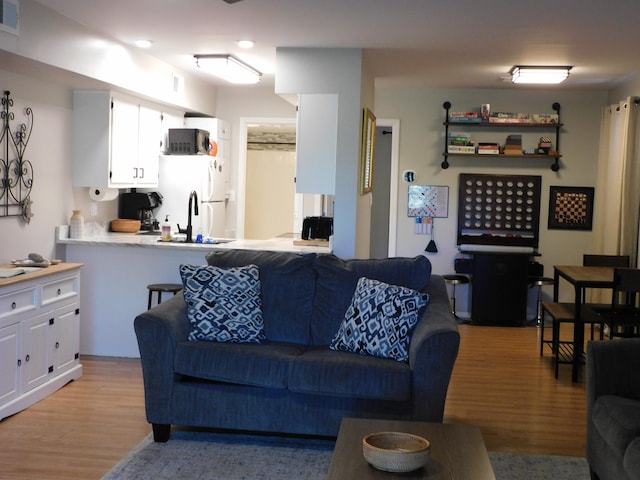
[617,420]
[322,371]
[223,305]
[631,461]
[287,283]
[337,279]
[263,365]
[379,320]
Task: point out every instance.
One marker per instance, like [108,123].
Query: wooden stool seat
[539,282]
[160,288]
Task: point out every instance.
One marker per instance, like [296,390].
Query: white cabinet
[116,141]
[39,335]
[317,143]
[9,355]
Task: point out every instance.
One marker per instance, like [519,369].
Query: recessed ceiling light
[143,43]
[246,43]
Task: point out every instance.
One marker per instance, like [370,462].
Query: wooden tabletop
[578,274]
[457,451]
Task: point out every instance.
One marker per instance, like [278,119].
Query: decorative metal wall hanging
[16,172]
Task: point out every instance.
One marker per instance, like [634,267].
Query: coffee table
[457,451]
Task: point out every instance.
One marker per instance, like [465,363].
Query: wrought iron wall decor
[16,174]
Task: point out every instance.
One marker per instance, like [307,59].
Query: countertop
[36,272]
[152,242]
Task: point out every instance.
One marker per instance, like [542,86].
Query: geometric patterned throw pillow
[223,304]
[380,320]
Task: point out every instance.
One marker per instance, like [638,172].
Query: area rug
[212,456]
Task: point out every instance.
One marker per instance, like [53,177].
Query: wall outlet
[93,209]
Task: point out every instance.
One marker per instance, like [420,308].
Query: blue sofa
[613,409]
[293,383]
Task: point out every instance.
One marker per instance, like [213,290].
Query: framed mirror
[368,146]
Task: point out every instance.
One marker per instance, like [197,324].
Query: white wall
[233,104]
[49,151]
[269,207]
[326,70]
[630,88]
[422,142]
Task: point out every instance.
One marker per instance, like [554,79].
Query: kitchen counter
[152,241]
[119,266]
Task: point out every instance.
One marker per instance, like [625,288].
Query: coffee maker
[140,206]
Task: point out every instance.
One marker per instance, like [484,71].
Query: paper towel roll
[98,194]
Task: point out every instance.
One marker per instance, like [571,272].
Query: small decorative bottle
[76,225]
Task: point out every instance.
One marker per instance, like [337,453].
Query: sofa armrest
[613,368]
[158,331]
[432,354]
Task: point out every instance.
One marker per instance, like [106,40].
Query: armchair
[613,409]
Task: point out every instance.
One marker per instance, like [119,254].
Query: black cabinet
[499,288]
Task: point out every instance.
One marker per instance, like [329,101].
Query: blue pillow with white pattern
[380,320]
[223,304]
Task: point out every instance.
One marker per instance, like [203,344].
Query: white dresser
[39,335]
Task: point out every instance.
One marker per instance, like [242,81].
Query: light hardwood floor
[500,383]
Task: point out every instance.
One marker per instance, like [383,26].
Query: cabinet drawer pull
[27,358]
[59,291]
[19,362]
[13,305]
[57,345]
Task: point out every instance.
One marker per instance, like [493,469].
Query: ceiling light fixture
[246,43]
[539,74]
[229,68]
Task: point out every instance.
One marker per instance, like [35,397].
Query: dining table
[582,278]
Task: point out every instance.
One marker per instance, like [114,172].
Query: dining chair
[623,315]
[564,312]
[597,260]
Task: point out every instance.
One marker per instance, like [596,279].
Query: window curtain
[617,199]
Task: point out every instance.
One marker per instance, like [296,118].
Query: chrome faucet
[193,205]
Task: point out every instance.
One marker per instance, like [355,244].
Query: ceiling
[425,43]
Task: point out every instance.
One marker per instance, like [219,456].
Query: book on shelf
[487,148]
[466,149]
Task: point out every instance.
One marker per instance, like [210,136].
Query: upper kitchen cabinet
[116,141]
[317,137]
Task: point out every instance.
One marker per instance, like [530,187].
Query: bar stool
[539,282]
[455,280]
[162,287]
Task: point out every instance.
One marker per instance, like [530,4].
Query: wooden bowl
[396,451]
[125,225]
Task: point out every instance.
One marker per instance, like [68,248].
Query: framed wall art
[570,208]
[368,146]
[428,201]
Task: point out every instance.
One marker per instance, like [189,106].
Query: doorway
[384,202]
[267,202]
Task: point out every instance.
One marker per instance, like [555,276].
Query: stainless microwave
[188,141]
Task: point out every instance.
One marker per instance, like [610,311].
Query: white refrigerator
[204,174]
